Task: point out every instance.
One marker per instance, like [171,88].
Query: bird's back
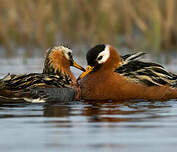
[147,73]
[20,86]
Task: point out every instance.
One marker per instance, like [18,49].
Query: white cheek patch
[105,55]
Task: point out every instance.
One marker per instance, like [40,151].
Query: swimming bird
[35,87]
[110,76]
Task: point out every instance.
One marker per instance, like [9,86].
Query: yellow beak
[78,66]
[88,70]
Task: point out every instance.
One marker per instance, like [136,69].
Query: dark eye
[69,53]
[100,57]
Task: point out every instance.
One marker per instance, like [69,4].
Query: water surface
[85,126]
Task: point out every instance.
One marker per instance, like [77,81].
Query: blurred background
[28,28]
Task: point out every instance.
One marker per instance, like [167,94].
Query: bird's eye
[69,53]
[100,57]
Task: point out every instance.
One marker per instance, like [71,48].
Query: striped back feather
[147,73]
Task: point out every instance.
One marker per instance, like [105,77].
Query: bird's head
[101,57]
[58,60]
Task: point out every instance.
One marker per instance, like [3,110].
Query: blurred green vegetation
[146,24]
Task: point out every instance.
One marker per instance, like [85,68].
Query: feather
[147,73]
[129,57]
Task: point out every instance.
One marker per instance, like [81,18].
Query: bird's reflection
[105,111]
[56,110]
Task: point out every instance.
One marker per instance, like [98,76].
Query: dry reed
[42,23]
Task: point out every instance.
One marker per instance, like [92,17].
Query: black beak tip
[78,79]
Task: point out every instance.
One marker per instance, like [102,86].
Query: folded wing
[147,73]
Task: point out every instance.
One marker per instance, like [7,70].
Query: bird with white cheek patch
[110,76]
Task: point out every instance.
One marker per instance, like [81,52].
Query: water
[85,126]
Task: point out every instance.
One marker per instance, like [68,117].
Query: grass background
[31,24]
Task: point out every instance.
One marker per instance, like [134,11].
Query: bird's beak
[74,64]
[88,70]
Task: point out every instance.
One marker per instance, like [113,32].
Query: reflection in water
[106,111]
[59,111]
[56,111]
[88,126]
